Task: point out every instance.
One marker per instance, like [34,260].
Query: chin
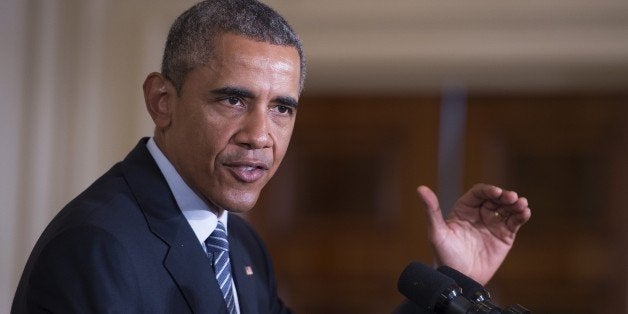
[239,209]
[239,202]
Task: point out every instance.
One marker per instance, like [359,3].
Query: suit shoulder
[108,198]
[84,254]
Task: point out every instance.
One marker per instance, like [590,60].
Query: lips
[247,171]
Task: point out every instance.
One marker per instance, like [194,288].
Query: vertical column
[13,31]
[453,116]
[37,126]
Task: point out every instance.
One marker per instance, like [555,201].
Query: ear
[159,96]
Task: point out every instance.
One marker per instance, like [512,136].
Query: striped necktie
[218,251]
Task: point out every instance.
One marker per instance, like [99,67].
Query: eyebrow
[233,91]
[245,93]
[287,101]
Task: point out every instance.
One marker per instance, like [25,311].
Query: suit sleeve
[83,270]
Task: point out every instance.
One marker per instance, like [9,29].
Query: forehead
[237,58]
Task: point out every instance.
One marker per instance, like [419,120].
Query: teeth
[248,168]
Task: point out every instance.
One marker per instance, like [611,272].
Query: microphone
[471,289]
[433,291]
[475,292]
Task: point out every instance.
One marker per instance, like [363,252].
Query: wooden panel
[558,151]
[342,219]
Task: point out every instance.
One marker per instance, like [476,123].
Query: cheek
[213,133]
[202,146]
[210,144]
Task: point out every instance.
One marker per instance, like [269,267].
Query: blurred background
[528,95]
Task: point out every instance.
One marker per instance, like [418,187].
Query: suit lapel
[191,270]
[185,260]
[243,275]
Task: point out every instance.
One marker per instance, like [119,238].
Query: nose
[255,131]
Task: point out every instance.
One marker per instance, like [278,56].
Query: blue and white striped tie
[218,250]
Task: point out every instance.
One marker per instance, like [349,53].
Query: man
[155,235]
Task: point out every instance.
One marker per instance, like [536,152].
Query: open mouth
[247,172]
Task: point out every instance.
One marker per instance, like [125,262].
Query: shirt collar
[198,214]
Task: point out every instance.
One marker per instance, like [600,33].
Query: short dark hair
[190,40]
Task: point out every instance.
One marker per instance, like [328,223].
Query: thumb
[432,209]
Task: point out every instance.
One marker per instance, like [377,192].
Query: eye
[284,109]
[233,101]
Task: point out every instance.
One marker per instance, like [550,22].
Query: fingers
[508,197]
[509,207]
[513,215]
[432,208]
[518,214]
[498,207]
[480,193]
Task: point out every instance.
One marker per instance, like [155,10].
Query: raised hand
[479,231]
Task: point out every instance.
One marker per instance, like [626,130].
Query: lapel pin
[248,270]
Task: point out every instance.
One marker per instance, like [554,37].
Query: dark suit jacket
[123,246]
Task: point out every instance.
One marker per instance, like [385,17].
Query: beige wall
[71,106]
[71,74]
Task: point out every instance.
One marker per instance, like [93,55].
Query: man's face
[231,123]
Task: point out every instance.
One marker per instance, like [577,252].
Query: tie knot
[217,240]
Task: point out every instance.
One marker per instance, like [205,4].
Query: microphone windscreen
[423,285]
